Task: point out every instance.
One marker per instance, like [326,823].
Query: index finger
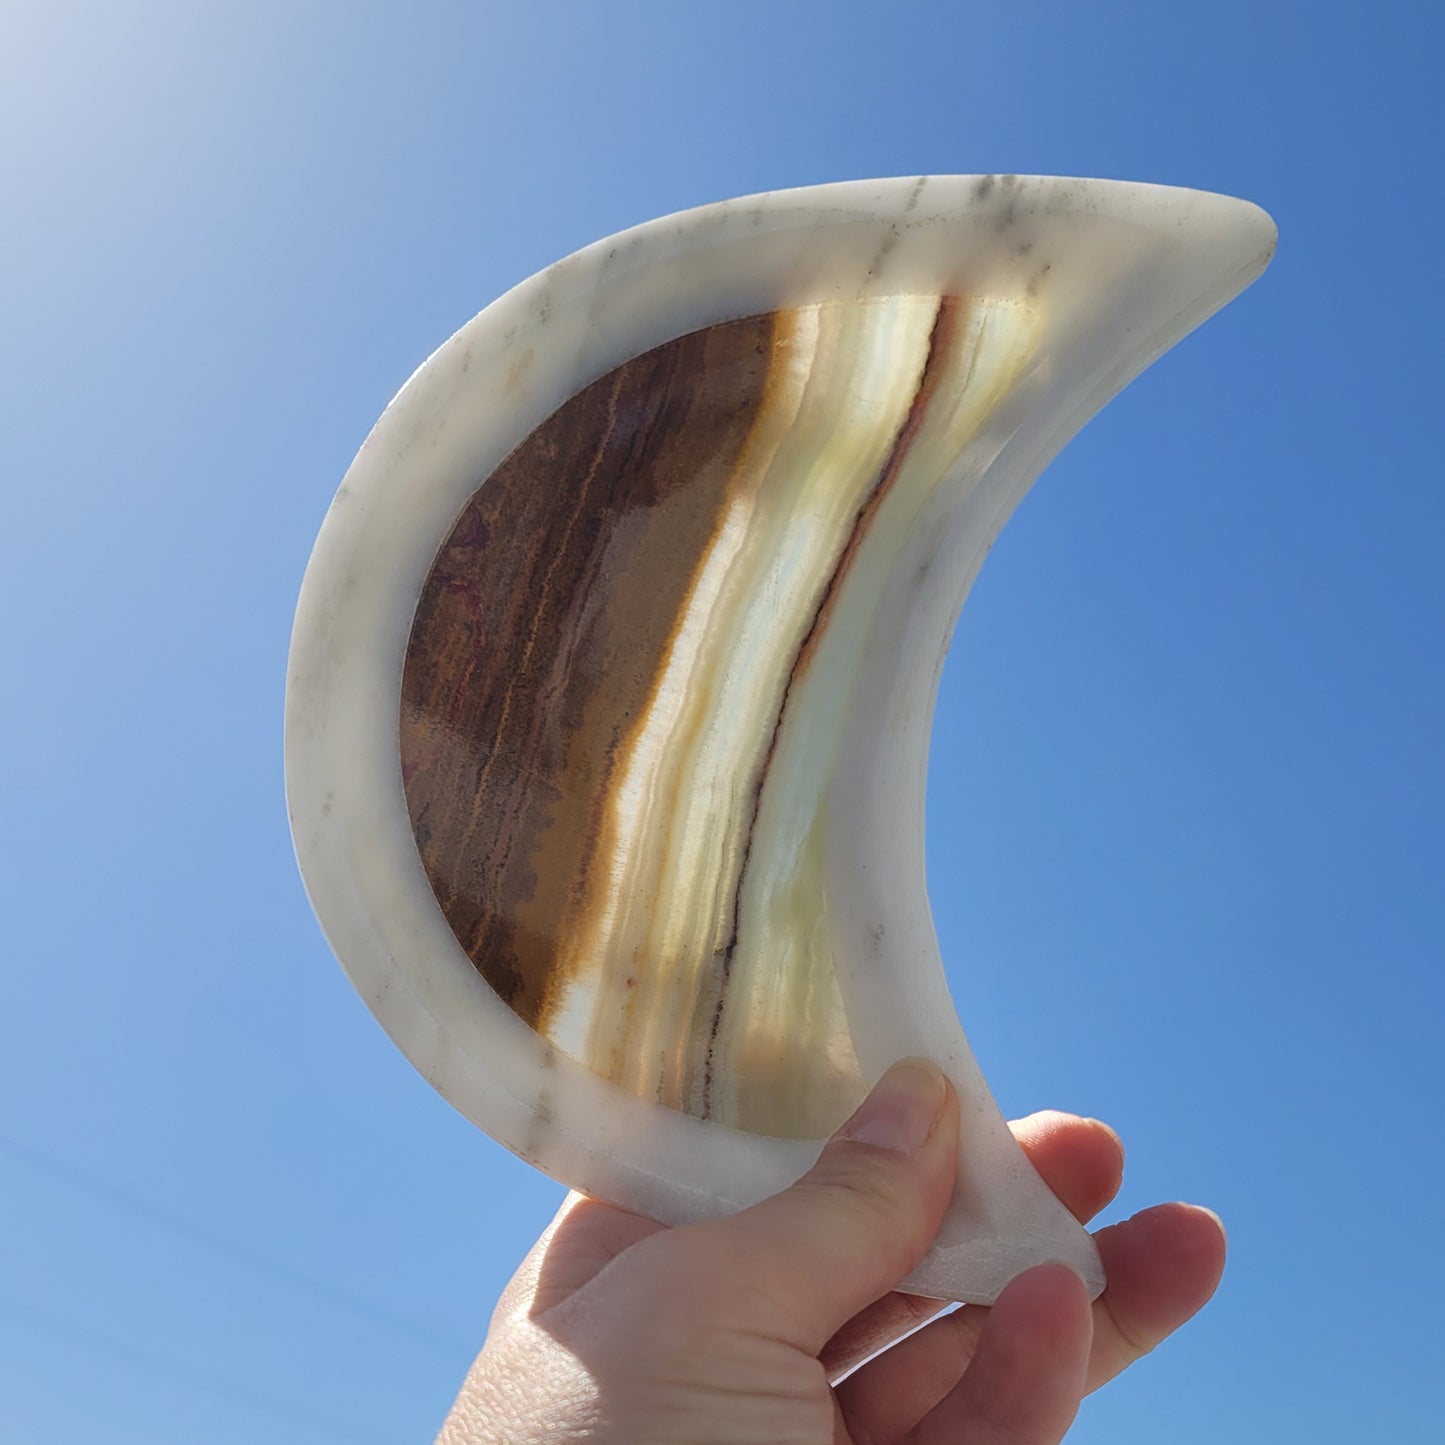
[1081,1160]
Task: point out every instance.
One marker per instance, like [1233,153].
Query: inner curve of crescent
[628,675]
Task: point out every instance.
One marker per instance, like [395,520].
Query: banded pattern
[628,676]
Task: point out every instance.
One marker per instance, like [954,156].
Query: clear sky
[1186,800]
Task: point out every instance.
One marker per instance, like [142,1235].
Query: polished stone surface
[613,669]
[629,844]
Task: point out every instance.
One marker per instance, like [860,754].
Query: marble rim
[454,420]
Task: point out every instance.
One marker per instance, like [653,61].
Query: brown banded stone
[564,573]
[611,672]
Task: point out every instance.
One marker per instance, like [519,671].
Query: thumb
[807,1260]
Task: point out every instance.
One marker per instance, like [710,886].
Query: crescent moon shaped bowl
[612,677]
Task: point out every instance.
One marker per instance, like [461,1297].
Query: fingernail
[1109,1129]
[902,1109]
[1205,1209]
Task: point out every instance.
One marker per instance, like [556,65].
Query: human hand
[743,1330]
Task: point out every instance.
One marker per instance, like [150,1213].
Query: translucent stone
[614,666]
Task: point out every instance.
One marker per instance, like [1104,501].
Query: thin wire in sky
[188,1374]
[116,1198]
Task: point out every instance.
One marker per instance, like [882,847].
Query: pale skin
[750,1330]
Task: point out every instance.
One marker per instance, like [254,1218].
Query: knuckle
[866,1195]
[1137,1342]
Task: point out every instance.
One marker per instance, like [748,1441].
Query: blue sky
[1186,802]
